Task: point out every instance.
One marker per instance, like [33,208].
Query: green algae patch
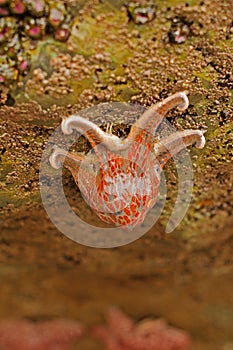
[6,167]
[17,199]
[206,77]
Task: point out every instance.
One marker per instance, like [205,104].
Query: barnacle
[22,20]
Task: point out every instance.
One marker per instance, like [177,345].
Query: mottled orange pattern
[121,182]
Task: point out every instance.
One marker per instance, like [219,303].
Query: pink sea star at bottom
[48,335]
[121,333]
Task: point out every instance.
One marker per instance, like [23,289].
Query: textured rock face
[109,58]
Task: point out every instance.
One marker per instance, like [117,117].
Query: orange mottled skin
[120,183]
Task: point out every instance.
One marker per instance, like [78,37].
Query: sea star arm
[70,161]
[150,120]
[110,341]
[121,333]
[153,116]
[74,162]
[174,143]
[54,334]
[91,131]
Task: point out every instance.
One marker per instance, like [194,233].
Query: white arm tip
[54,160]
[185,103]
[201,142]
[68,124]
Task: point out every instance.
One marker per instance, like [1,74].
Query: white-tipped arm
[57,157]
[174,143]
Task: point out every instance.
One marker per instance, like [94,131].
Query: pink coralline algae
[121,333]
[48,335]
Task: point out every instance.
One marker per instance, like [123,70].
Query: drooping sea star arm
[173,144]
[69,160]
[153,116]
[149,121]
[91,131]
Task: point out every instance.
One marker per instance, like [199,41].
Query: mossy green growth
[6,167]
[17,199]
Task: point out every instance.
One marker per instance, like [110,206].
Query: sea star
[121,181]
[49,335]
[121,333]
